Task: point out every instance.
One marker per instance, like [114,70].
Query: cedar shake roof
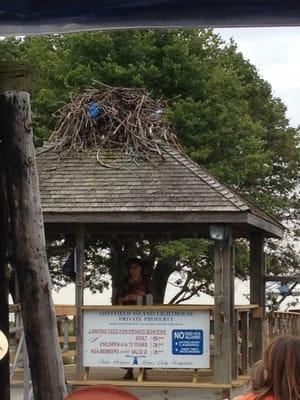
[72,185]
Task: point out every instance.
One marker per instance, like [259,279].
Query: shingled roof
[175,189]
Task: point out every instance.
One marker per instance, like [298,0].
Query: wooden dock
[159,385]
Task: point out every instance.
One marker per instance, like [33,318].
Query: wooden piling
[223,312]
[4,312]
[28,246]
[79,269]
[257,294]
[12,76]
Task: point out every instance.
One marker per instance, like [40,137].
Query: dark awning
[19,17]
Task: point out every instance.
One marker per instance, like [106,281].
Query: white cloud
[276,54]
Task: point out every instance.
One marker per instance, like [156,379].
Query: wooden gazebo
[173,197]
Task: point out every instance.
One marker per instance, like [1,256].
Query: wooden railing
[283,323]
[277,323]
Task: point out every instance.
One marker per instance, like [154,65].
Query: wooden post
[79,269]
[4,313]
[28,246]
[234,318]
[245,342]
[223,313]
[12,76]
[257,294]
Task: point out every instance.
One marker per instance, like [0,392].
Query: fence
[283,323]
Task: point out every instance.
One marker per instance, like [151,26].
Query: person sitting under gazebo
[137,286]
[136,289]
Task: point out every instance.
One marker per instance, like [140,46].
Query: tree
[285,256]
[224,113]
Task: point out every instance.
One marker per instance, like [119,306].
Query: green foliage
[224,113]
[96,266]
[193,266]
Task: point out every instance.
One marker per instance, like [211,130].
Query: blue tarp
[45,16]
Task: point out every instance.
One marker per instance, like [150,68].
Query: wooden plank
[233,319]
[235,346]
[86,373]
[258,312]
[160,307]
[136,230]
[28,246]
[245,342]
[164,218]
[71,339]
[257,294]
[273,229]
[287,313]
[149,217]
[151,384]
[4,307]
[279,278]
[195,375]
[79,269]
[65,309]
[222,311]
[15,76]
[246,307]
[141,373]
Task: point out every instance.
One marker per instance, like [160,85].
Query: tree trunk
[120,251]
[160,279]
[4,321]
[28,246]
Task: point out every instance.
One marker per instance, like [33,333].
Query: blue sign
[187,342]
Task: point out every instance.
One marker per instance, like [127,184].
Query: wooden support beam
[284,279]
[28,246]
[245,342]
[257,294]
[4,308]
[234,318]
[235,347]
[223,313]
[14,76]
[79,298]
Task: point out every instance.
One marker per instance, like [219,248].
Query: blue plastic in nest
[94,110]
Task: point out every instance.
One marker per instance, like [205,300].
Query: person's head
[258,376]
[282,364]
[135,267]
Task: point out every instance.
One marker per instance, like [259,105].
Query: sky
[276,54]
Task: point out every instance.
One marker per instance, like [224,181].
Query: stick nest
[113,118]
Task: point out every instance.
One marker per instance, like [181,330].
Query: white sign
[3,345]
[154,339]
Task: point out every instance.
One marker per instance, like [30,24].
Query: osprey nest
[113,118]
